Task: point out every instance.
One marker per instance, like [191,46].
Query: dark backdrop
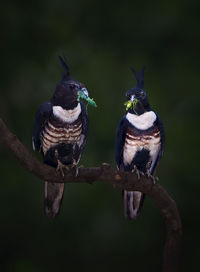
[101,39]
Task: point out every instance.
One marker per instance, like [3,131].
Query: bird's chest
[137,140]
[56,133]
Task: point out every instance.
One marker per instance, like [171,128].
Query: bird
[60,133]
[139,142]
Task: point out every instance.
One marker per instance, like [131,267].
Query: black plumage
[139,141]
[60,133]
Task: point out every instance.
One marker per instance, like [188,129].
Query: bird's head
[68,91]
[137,101]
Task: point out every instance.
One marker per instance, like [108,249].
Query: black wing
[85,125]
[162,141]
[120,140]
[79,147]
[41,117]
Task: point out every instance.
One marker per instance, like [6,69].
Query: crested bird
[60,133]
[139,142]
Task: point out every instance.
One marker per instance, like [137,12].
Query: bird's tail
[132,203]
[53,198]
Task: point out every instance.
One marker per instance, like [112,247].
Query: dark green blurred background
[101,40]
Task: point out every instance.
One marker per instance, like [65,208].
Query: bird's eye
[73,86]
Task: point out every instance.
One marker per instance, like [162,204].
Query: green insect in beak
[131,104]
[81,94]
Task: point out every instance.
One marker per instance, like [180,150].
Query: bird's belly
[135,144]
[52,135]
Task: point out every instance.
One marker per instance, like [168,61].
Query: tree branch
[105,173]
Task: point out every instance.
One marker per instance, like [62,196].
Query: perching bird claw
[154,179]
[60,165]
[138,173]
[74,166]
[60,168]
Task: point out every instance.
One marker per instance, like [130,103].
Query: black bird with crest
[60,133]
[139,142]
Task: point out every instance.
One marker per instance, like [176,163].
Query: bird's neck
[140,108]
[143,121]
[68,116]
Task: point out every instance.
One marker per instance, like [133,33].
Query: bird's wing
[84,134]
[120,140]
[85,126]
[132,200]
[84,120]
[41,117]
[156,160]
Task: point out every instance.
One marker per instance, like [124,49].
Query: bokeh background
[101,39]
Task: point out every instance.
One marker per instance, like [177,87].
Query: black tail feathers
[53,198]
[133,202]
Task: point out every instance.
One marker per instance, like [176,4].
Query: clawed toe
[154,179]
[60,168]
[138,173]
[76,171]
[74,165]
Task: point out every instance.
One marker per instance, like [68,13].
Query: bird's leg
[59,168]
[148,173]
[138,173]
[74,165]
[60,165]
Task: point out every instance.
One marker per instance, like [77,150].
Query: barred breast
[136,141]
[54,134]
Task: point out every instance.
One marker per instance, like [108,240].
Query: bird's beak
[84,90]
[83,93]
[131,103]
[132,98]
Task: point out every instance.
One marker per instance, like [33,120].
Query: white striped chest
[53,135]
[67,116]
[140,137]
[67,129]
[143,121]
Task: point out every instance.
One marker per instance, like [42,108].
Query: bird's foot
[74,166]
[77,170]
[154,179]
[138,172]
[60,168]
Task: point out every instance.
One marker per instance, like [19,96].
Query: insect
[131,104]
[83,95]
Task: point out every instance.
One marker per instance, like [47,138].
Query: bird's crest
[139,77]
[63,61]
